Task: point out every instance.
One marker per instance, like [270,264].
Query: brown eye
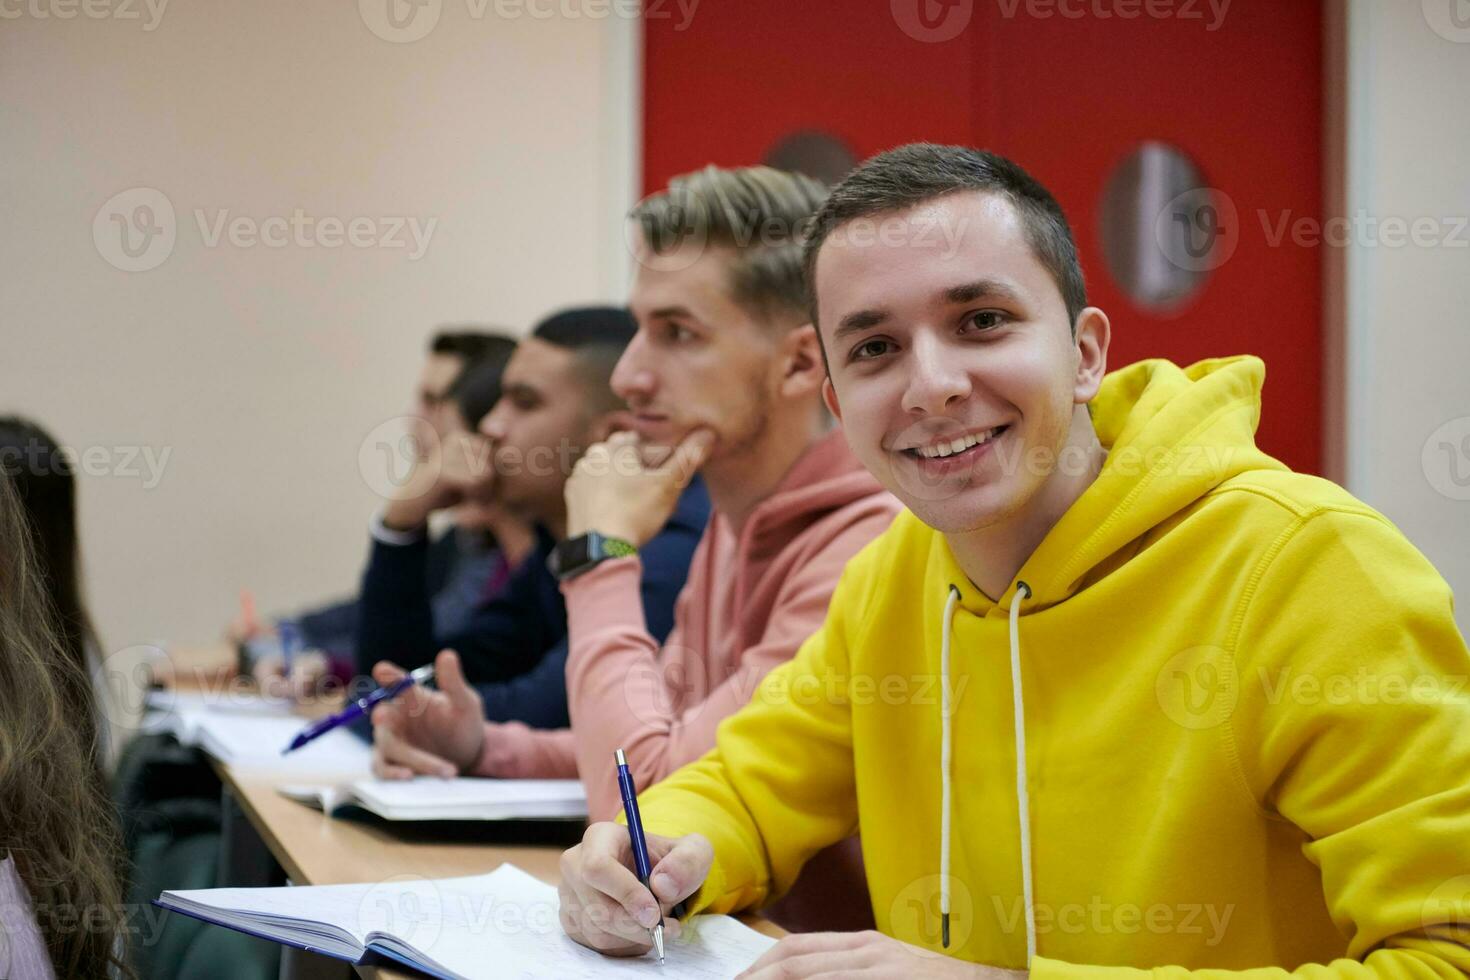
[869,349]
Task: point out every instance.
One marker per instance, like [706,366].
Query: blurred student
[556,402]
[1061,697]
[61,912]
[46,487]
[468,562]
[726,368]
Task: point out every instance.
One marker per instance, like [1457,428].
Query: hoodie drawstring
[944,764]
[1023,798]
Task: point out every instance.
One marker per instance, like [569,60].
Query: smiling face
[954,368]
[699,359]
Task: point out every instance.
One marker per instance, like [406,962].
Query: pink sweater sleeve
[516,751]
[619,694]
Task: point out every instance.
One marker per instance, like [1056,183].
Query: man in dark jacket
[555,402]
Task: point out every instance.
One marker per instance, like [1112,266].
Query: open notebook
[501,924]
[430,798]
[248,732]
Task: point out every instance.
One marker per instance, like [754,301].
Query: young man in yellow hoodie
[1120,693]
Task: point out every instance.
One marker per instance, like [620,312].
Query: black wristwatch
[574,556]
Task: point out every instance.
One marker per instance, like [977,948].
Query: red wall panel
[1068,97]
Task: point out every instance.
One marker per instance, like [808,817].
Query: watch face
[571,554]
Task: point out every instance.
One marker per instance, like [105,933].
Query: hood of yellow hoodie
[1172,434]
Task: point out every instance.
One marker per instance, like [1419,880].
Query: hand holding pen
[641,863]
[361,708]
[605,907]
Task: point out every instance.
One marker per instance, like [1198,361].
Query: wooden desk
[195,668]
[318,850]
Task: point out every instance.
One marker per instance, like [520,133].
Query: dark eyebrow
[969,292]
[671,312]
[858,321]
[519,389]
[981,289]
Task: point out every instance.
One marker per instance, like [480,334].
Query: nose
[492,426]
[631,377]
[937,378]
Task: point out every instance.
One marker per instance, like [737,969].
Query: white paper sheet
[503,924]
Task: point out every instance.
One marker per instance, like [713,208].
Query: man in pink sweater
[724,376]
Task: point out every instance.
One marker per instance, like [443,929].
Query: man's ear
[829,398]
[1092,337]
[802,370]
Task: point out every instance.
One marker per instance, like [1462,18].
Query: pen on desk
[360,708]
[640,846]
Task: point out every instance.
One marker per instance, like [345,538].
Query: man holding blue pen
[1121,697]
[508,660]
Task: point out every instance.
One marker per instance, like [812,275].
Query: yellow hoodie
[1240,700]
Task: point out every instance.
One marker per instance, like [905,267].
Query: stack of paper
[248,732]
[431,798]
[502,924]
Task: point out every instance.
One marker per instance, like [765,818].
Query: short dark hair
[597,337]
[470,341]
[477,388]
[909,175]
[760,212]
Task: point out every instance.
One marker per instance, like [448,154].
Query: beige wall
[1407,351]
[259,370]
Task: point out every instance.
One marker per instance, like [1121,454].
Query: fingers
[604,868]
[412,702]
[582,925]
[809,954]
[398,755]
[682,868]
[450,679]
[385,672]
[692,453]
[384,769]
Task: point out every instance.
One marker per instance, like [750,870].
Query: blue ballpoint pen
[640,845]
[360,708]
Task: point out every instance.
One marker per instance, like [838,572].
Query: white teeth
[957,446]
